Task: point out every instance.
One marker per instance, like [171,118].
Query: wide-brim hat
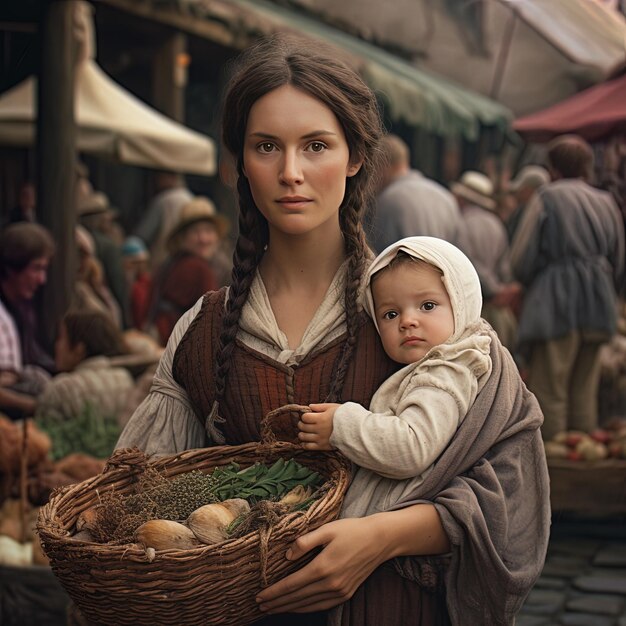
[200,209]
[475,187]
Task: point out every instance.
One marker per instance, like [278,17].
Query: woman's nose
[291,170]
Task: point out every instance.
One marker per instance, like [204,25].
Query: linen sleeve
[402,445]
[165,422]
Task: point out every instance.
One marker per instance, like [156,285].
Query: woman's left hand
[332,577]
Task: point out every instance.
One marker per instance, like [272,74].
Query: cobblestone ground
[583,582]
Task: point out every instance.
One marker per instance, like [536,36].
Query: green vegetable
[260,482]
[88,432]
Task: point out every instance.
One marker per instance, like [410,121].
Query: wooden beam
[56,156]
[169,77]
[204,28]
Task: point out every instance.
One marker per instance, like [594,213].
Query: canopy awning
[526,54]
[594,113]
[112,123]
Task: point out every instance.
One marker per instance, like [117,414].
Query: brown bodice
[257,384]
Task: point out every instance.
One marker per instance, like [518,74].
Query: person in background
[25,210]
[94,214]
[90,290]
[484,240]
[408,203]
[162,214]
[187,274]
[25,366]
[289,329]
[523,187]
[138,279]
[85,343]
[568,252]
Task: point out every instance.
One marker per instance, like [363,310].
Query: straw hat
[93,204]
[200,209]
[476,188]
[532,176]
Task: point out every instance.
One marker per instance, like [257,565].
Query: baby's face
[413,310]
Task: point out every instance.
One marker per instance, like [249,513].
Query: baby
[425,299]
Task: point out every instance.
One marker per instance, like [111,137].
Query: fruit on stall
[600,444]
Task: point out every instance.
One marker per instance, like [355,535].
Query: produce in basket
[210,522]
[208,503]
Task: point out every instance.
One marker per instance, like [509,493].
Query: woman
[304,131]
[189,272]
[25,366]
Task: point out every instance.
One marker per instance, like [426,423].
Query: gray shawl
[491,489]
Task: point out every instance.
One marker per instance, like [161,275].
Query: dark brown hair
[96,331]
[272,63]
[22,243]
[571,156]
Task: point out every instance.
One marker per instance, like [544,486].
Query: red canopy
[593,113]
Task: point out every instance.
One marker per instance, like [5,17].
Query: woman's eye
[316,146]
[389,315]
[428,306]
[266,146]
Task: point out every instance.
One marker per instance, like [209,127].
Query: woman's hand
[332,577]
[354,548]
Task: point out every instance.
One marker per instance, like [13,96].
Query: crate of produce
[595,488]
[588,471]
[165,573]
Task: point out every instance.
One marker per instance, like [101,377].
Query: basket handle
[281,424]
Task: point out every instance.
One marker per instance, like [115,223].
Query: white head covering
[459,278]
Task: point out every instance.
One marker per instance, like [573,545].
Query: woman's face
[296,160]
[201,239]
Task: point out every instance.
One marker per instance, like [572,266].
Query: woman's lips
[293,201]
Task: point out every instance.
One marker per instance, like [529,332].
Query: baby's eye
[429,306]
[389,315]
[265,147]
[316,146]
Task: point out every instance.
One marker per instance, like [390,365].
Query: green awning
[411,95]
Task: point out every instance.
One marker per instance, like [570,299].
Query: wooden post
[170,77]
[56,156]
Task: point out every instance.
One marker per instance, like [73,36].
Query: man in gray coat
[410,204]
[569,254]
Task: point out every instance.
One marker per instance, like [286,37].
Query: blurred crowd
[548,245]
[129,292]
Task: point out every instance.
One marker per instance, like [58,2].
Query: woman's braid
[356,249]
[248,252]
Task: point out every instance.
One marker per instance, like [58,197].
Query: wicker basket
[217,584]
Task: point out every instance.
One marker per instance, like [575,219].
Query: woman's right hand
[350,555]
